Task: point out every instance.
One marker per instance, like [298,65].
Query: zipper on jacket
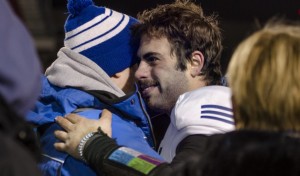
[149,120]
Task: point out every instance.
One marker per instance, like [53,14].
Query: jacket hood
[72,69]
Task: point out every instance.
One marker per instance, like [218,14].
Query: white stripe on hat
[88,24]
[109,28]
[105,37]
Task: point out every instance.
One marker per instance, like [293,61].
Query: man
[93,71]
[179,51]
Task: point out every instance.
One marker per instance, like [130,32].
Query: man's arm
[189,146]
[104,155]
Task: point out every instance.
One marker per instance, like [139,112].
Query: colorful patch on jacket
[135,160]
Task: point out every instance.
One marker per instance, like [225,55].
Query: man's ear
[197,63]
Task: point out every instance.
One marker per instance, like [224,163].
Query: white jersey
[207,111]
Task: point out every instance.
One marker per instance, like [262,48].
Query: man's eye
[152,59]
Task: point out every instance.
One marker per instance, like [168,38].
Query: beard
[165,96]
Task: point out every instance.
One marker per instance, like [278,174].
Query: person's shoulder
[207,93]
[214,89]
[207,106]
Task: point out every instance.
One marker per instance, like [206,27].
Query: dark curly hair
[187,29]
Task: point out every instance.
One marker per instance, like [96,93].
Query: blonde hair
[264,74]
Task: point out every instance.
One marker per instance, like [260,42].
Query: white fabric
[88,24]
[99,33]
[75,70]
[207,111]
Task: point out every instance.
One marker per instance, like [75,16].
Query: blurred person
[255,71]
[94,70]
[20,71]
[247,153]
[179,74]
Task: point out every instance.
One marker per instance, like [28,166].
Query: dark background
[238,18]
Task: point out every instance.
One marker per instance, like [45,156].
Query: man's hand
[76,127]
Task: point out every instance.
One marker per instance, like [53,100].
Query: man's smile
[146,87]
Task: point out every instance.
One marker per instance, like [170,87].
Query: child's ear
[117,75]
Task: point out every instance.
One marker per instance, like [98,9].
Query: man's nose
[142,71]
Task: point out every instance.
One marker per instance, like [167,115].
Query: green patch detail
[141,165]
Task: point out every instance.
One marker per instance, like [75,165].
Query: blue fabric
[75,6]
[114,52]
[56,101]
[74,20]
[118,54]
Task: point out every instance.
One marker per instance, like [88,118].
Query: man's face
[160,82]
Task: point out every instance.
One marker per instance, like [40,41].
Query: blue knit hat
[100,34]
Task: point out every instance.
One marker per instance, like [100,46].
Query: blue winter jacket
[130,124]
